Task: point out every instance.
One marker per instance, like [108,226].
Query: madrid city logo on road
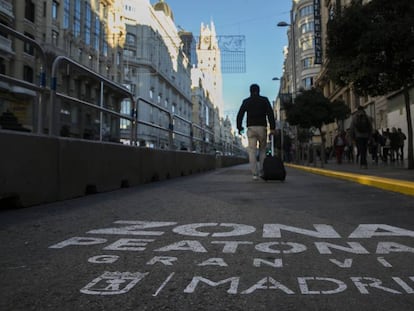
[113,283]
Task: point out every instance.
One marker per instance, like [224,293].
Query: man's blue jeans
[256,135]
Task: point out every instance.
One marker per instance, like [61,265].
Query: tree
[371,47]
[313,109]
[339,110]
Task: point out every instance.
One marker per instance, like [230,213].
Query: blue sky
[257,21]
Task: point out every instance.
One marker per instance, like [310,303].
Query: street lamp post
[279,118]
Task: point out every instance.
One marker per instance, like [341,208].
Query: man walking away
[401,139]
[259,112]
[361,129]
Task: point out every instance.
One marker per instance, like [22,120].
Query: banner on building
[318,31]
[233,53]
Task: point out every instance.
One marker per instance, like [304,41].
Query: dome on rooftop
[163,6]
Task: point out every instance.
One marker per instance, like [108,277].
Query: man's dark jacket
[257,108]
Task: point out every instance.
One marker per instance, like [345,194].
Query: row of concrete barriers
[40,169]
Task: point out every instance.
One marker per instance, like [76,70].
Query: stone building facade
[131,45]
[299,71]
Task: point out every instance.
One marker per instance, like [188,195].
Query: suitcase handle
[272,144]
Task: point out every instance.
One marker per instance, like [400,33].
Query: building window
[28,74]
[307,83]
[97,33]
[129,53]
[55,9]
[88,23]
[306,11]
[126,110]
[2,66]
[331,13]
[130,39]
[151,114]
[55,38]
[307,27]
[28,47]
[307,62]
[66,14]
[308,43]
[127,74]
[104,43]
[118,58]
[77,19]
[29,11]
[207,115]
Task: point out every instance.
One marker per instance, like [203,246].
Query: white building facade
[158,73]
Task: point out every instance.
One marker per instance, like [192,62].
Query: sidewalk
[392,176]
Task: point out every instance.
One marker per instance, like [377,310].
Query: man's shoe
[255,177]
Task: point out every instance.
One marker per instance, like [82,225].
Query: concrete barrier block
[28,167]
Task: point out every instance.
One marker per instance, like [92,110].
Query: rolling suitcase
[273,167]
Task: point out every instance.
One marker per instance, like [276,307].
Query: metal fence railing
[51,105]
[54,115]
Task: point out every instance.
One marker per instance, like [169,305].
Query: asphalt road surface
[213,241]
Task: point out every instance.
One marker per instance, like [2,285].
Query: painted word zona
[223,230]
[136,229]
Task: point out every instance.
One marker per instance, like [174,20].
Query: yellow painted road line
[395,185]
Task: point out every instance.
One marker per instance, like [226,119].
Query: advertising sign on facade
[318,31]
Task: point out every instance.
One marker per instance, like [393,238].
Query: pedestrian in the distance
[375,144]
[361,129]
[349,148]
[394,144]
[401,139]
[386,148]
[339,145]
[259,114]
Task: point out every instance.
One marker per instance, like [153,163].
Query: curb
[395,185]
